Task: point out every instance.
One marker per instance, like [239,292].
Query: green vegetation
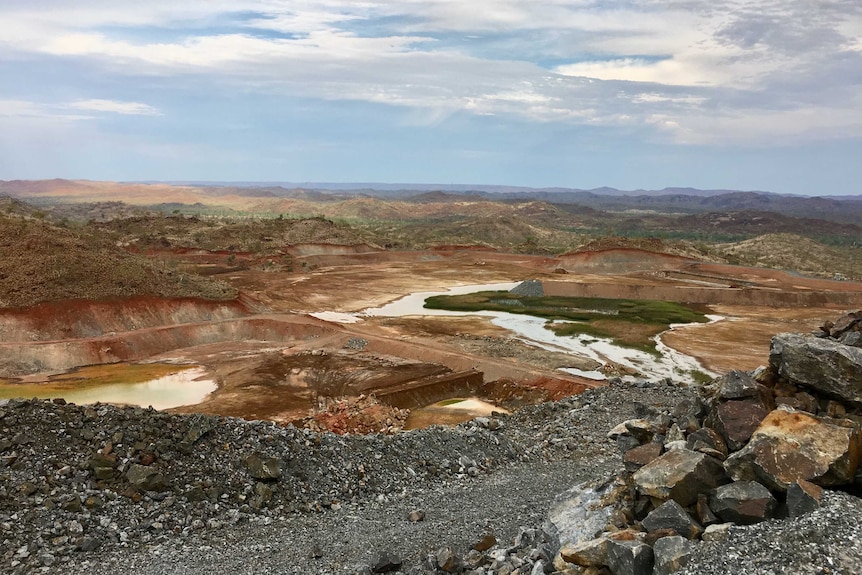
[632,323]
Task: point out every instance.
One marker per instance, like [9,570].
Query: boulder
[743,502]
[707,440]
[671,554]
[845,323]
[679,475]
[639,456]
[819,363]
[803,497]
[671,515]
[641,429]
[630,558]
[263,467]
[736,420]
[587,553]
[791,445]
[737,384]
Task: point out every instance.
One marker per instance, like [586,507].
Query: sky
[717,94]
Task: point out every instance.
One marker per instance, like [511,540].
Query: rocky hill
[40,262]
[103,489]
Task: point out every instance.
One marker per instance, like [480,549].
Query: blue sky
[759,94]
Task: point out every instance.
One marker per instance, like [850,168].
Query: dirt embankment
[74,319]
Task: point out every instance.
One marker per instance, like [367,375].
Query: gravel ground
[338,500]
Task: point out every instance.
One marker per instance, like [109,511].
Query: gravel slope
[342,499]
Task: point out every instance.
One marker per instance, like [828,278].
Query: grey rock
[447,560]
[671,515]
[743,502]
[852,338]
[821,364]
[679,475]
[737,384]
[146,478]
[717,532]
[263,467]
[803,497]
[385,562]
[671,554]
[630,558]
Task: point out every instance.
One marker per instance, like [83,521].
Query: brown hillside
[796,253]
[41,262]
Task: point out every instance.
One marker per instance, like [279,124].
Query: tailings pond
[666,362]
[159,385]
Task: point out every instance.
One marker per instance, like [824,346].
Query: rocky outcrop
[757,446]
[791,445]
[823,364]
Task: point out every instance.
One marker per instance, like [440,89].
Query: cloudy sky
[744,94]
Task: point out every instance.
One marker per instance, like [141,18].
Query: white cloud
[695,70]
[125,108]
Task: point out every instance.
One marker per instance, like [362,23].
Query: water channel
[667,362]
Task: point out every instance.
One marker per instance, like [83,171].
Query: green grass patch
[632,323]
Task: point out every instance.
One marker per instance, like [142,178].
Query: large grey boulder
[791,445]
[679,475]
[822,364]
[743,502]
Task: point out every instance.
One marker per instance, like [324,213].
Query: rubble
[103,489]
[754,447]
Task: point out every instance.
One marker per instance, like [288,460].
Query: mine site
[265,392]
[430,288]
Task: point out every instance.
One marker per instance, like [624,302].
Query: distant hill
[43,262]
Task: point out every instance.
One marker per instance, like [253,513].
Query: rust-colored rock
[636,458]
[587,553]
[789,446]
[679,475]
[736,420]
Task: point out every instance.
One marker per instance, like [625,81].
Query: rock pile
[754,446]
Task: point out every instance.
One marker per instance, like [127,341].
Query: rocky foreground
[102,489]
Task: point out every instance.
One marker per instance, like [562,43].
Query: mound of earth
[42,262]
[794,252]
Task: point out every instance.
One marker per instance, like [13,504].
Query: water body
[186,387]
[532,331]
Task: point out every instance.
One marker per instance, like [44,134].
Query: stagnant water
[531,330]
[184,387]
